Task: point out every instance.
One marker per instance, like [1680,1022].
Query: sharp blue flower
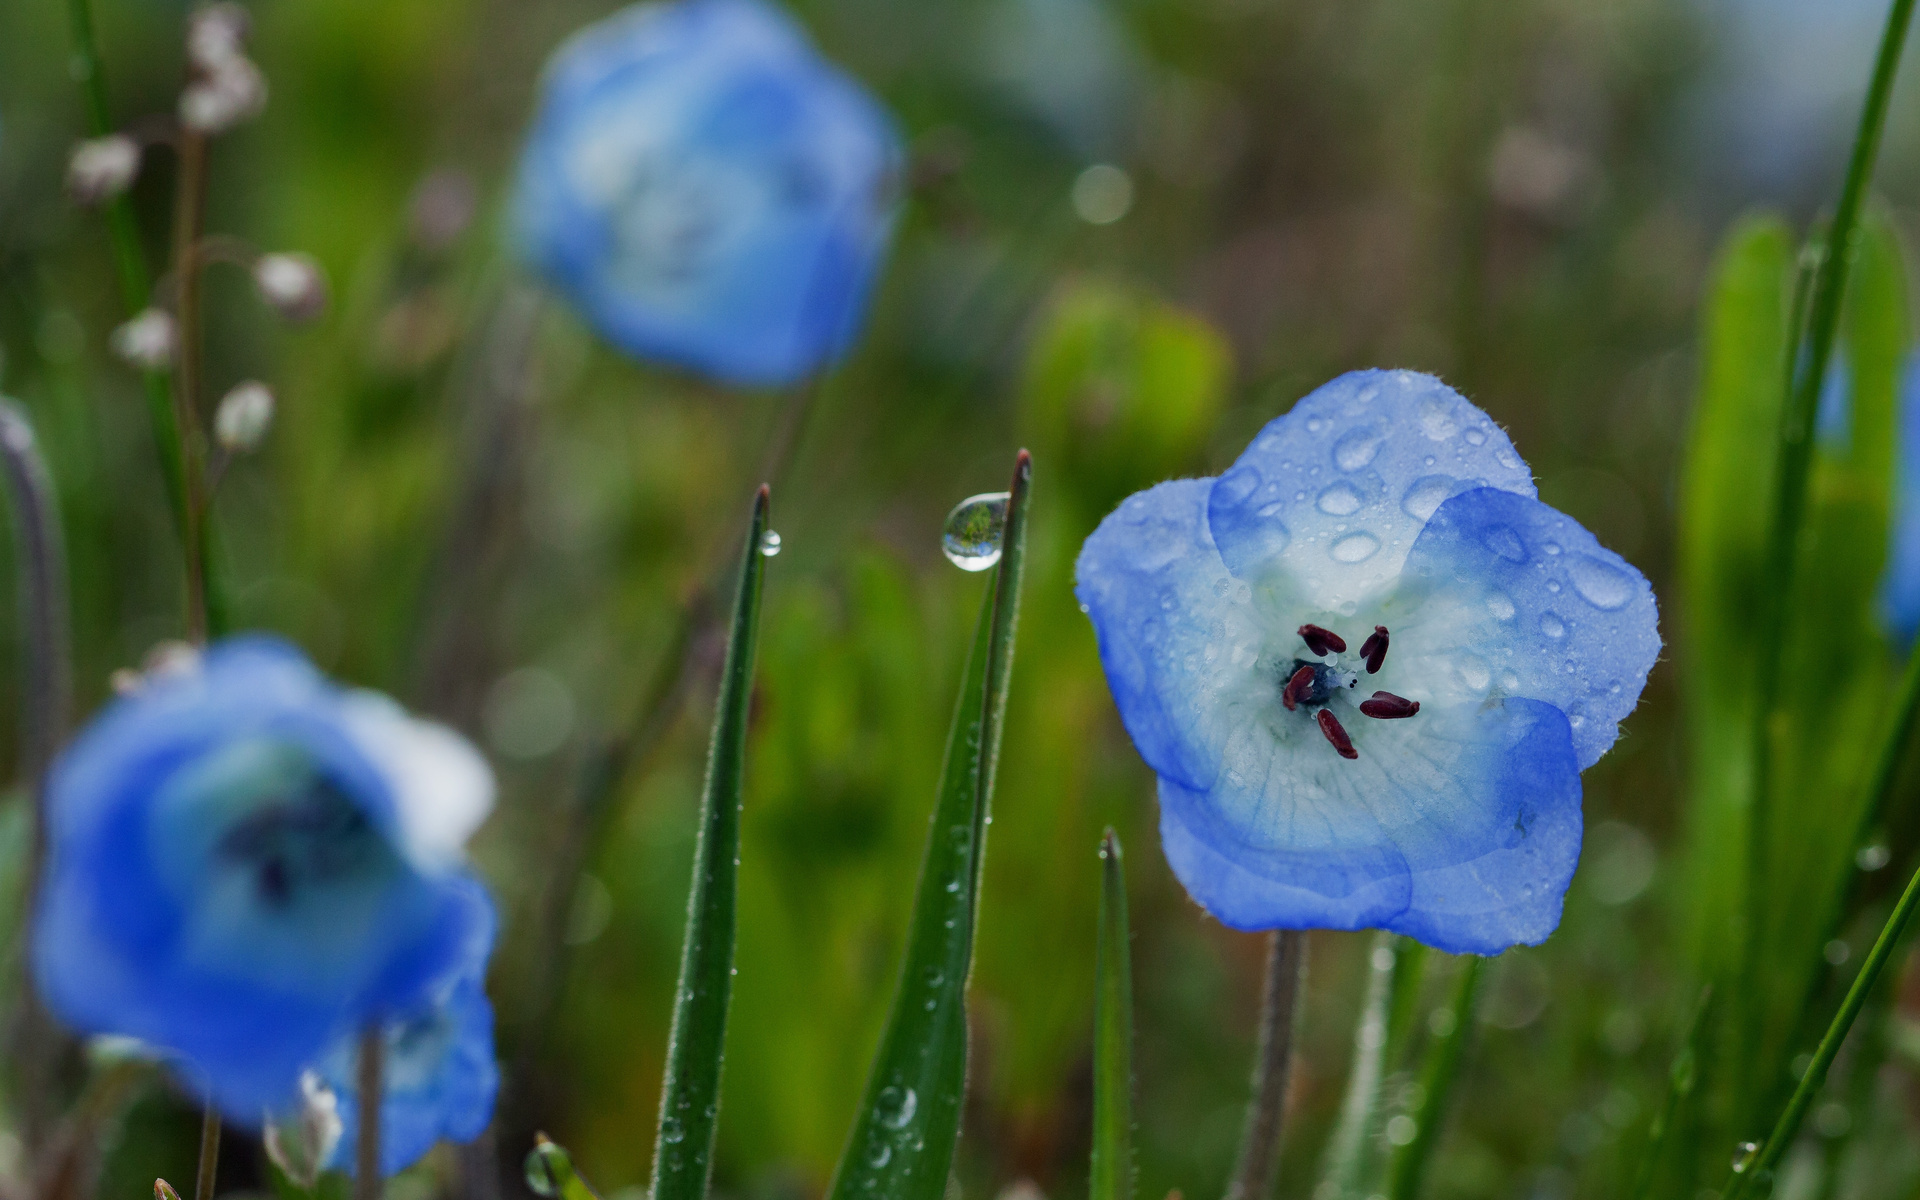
[708,190]
[440,1078]
[246,862]
[1368,667]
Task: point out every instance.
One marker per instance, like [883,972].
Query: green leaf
[690,1097]
[1112,1172]
[904,1136]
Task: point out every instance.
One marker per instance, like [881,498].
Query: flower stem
[1347,1147]
[1272,1066]
[209,1168]
[1409,1167]
[1816,1074]
[189,218]
[369,1087]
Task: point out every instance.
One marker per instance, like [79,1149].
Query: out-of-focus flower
[1369,667]
[102,168]
[442,207]
[439,1078]
[1900,594]
[246,863]
[292,284]
[226,88]
[216,35]
[708,190]
[147,341]
[244,416]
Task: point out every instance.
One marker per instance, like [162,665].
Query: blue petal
[1900,594]
[1334,492]
[1459,828]
[707,190]
[1523,599]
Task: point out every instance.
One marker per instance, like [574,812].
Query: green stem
[1682,1077]
[1272,1067]
[189,217]
[1816,1074]
[1347,1148]
[209,1168]
[1111,1174]
[1795,456]
[1436,1083]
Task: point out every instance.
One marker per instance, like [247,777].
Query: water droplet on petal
[896,1106]
[1357,448]
[1436,420]
[1502,540]
[1426,495]
[1338,500]
[1476,436]
[971,539]
[1600,584]
[770,543]
[1500,606]
[1354,548]
[1474,672]
[1552,626]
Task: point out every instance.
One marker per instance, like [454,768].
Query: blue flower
[246,862]
[439,1076]
[708,190]
[1900,593]
[1368,667]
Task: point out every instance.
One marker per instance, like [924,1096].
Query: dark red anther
[1297,687]
[1322,641]
[1374,649]
[1387,706]
[1330,725]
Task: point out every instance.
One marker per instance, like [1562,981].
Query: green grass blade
[550,1172]
[1112,1174]
[1682,1078]
[1442,1068]
[1347,1148]
[904,1135]
[690,1097]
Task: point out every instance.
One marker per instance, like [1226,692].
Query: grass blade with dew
[550,1172]
[690,1096]
[908,1124]
[1682,1077]
[1112,1167]
[1444,1054]
[1346,1157]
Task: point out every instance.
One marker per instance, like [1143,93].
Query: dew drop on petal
[770,543]
[1425,495]
[1338,500]
[1600,584]
[1474,672]
[1476,436]
[1357,448]
[971,539]
[1354,548]
[1500,606]
[1502,540]
[1237,485]
[1436,421]
[1552,626]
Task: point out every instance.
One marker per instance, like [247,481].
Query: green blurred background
[470,502]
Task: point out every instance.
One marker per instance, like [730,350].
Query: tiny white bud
[292,284]
[102,168]
[147,341]
[301,1142]
[216,35]
[224,97]
[245,414]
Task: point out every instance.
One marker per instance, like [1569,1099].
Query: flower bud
[147,341]
[301,1143]
[292,284]
[244,416]
[216,36]
[102,168]
[223,97]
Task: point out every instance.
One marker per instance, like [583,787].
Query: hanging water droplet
[770,543]
[1744,1155]
[547,1165]
[896,1106]
[971,538]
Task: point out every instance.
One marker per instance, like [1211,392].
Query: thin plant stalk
[1682,1077]
[1795,451]
[1346,1149]
[1112,1166]
[1409,1167]
[208,1169]
[129,258]
[46,697]
[1810,1083]
[189,217]
[1259,1161]
[370,1086]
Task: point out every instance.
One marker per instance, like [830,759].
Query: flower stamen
[1374,650]
[1297,688]
[1322,641]
[1330,725]
[1387,707]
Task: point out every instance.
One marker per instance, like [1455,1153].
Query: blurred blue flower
[1368,668]
[708,190]
[246,862]
[439,1076]
[1900,594]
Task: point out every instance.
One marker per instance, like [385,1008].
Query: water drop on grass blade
[770,543]
[971,538]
